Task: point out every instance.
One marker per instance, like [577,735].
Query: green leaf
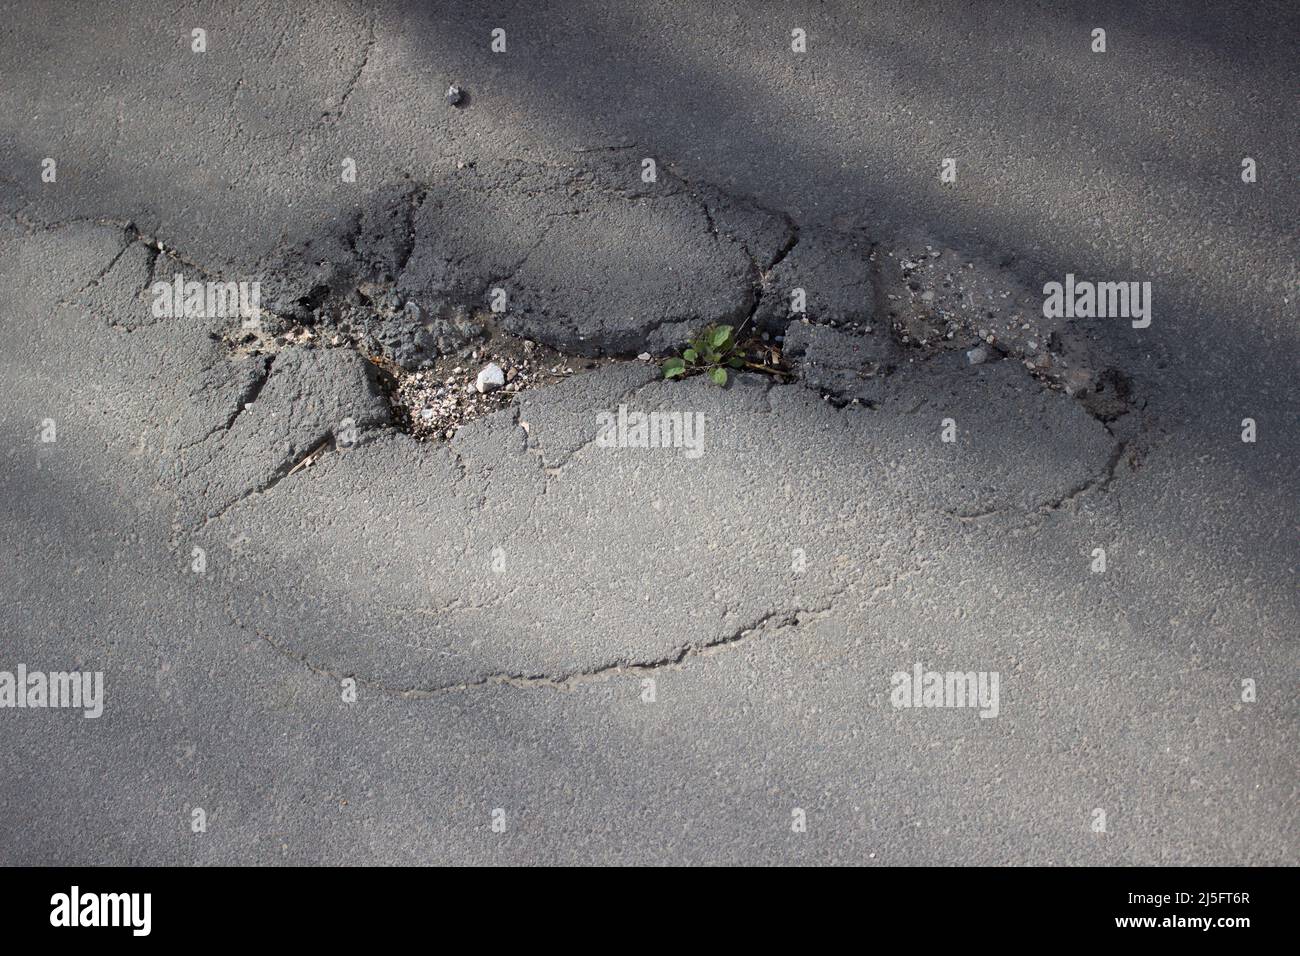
[690,355]
[736,362]
[719,336]
[719,376]
[675,371]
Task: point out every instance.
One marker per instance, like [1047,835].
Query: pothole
[442,372]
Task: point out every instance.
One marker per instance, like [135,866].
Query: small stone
[427,414]
[1077,381]
[644,357]
[977,356]
[927,296]
[454,95]
[490,379]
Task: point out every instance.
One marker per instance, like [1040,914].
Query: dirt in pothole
[433,403]
[937,298]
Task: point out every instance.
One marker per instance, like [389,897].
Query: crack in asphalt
[244,399]
[555,470]
[1098,483]
[1095,484]
[251,393]
[772,622]
[337,113]
[131,236]
[286,468]
[566,680]
[759,272]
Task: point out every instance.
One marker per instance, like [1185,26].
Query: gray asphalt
[505,603]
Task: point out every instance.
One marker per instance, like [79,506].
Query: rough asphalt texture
[501,599]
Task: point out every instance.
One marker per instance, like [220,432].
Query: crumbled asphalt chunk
[309,400]
[765,234]
[297,282]
[833,271]
[526,239]
[847,365]
[536,233]
[938,297]
[454,95]
[410,337]
[382,236]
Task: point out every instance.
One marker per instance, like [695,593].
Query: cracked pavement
[501,599]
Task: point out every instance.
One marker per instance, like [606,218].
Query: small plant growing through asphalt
[713,351]
[717,349]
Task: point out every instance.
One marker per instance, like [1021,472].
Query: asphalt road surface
[322,640]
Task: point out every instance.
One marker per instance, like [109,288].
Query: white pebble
[490,379]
